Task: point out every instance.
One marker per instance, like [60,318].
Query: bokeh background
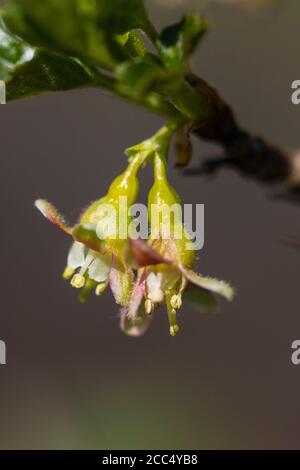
[72,379]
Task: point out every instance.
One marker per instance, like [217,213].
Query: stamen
[78,281]
[100,288]
[68,272]
[174,329]
[149,307]
[176,301]
[89,258]
[87,288]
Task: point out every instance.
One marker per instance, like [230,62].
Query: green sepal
[86,234]
[13,51]
[215,286]
[200,299]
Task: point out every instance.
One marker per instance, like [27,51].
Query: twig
[251,156]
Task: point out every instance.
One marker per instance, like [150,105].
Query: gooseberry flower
[97,256]
[142,274]
[166,262]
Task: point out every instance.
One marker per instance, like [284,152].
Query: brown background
[72,380]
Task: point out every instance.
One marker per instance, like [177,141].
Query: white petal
[76,255]
[99,269]
[153,281]
[154,287]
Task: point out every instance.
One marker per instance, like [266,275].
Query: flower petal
[136,326]
[120,280]
[76,255]
[100,267]
[200,299]
[210,284]
[154,280]
[154,287]
[52,215]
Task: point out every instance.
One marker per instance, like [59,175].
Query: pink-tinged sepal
[200,299]
[137,295]
[145,255]
[210,284]
[120,281]
[49,211]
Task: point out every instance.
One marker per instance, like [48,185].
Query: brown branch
[251,156]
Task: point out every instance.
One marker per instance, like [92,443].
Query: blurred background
[72,379]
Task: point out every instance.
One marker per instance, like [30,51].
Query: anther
[176,302]
[68,272]
[174,329]
[78,281]
[149,307]
[100,288]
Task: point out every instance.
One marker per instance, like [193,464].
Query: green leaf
[12,52]
[48,71]
[122,16]
[82,28]
[178,42]
[68,26]
[28,71]
[200,299]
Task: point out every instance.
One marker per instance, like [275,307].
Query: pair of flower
[141,274]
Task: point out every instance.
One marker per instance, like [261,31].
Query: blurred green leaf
[48,71]
[12,52]
[68,26]
[121,16]
[200,299]
[134,45]
[136,77]
[82,28]
[178,42]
